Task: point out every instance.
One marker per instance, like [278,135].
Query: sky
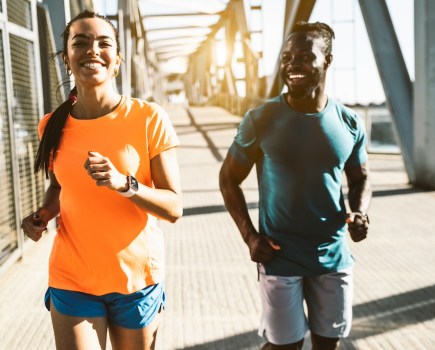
[353,76]
[357,63]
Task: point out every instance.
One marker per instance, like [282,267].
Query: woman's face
[92,53]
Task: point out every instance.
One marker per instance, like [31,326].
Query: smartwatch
[365,216]
[133,187]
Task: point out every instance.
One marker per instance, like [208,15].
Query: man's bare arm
[231,176]
[359,196]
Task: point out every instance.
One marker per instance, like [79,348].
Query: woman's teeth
[93,65]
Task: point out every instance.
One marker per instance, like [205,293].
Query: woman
[113,171]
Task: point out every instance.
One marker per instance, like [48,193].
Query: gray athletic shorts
[328,306]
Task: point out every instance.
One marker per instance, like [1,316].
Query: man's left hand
[358,226]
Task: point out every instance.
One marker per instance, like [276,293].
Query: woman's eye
[79,43]
[105,44]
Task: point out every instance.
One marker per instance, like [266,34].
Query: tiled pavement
[211,284]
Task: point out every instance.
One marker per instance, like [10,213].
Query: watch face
[134,185]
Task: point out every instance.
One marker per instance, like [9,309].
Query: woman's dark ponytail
[53,133]
[51,138]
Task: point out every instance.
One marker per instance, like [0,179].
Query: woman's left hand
[104,173]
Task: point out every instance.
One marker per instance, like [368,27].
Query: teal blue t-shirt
[300,159]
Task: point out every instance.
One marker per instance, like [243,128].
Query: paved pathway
[211,284]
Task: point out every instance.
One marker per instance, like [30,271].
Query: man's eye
[307,58]
[79,43]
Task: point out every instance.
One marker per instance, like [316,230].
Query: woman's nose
[93,49]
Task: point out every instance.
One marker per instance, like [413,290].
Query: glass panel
[19,12]
[8,232]
[26,117]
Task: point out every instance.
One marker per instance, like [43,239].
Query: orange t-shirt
[105,243]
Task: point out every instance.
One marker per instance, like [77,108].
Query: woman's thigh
[134,318]
[78,333]
[135,339]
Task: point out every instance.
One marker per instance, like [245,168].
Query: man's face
[303,64]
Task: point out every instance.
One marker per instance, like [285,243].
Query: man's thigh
[283,319]
[329,303]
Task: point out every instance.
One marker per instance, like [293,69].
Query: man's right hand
[261,248]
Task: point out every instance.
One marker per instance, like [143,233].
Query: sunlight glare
[220,53]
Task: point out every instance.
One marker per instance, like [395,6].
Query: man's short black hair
[324,30]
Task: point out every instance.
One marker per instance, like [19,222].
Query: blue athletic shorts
[132,311]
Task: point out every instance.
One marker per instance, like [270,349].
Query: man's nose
[295,61]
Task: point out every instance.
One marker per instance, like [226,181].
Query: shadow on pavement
[394,312]
[243,341]
[210,209]
[397,191]
[371,318]
[213,149]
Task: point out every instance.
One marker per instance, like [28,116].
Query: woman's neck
[94,103]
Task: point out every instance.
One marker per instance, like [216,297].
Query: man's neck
[309,104]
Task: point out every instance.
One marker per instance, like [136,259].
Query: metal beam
[393,73]
[174,54]
[173,43]
[197,6]
[190,27]
[230,38]
[176,48]
[424,92]
[60,15]
[176,38]
[181,15]
[214,29]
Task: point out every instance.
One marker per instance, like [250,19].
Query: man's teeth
[296,76]
[93,65]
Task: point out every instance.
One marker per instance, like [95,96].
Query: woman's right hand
[35,224]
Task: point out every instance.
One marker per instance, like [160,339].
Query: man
[301,143]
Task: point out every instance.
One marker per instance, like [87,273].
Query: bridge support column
[424,94]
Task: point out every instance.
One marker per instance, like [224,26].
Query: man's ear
[328,61]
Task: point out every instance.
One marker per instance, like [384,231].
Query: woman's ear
[65,61]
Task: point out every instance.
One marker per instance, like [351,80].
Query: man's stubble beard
[307,89]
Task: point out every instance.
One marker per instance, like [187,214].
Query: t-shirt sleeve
[359,153]
[160,132]
[41,127]
[42,124]
[244,148]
